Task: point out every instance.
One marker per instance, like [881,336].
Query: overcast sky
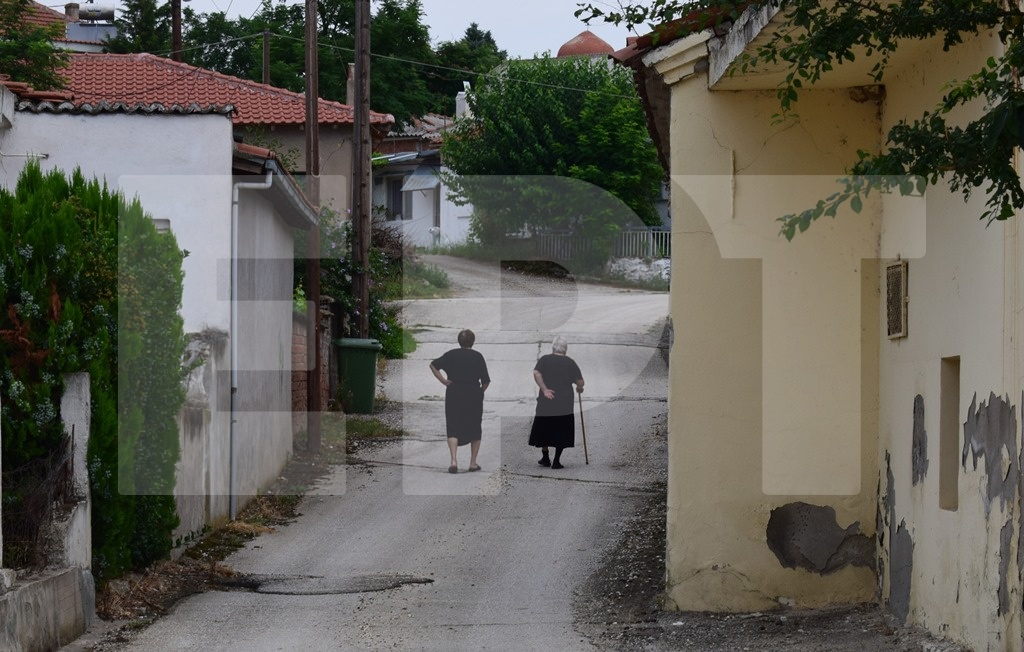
[521,27]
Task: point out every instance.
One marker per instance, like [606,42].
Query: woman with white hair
[554,425]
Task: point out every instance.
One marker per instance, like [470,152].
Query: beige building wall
[335,160]
[804,441]
[773,383]
[952,538]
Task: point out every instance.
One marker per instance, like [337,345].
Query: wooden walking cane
[586,458]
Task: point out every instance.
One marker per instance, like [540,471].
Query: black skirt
[464,412]
[557,431]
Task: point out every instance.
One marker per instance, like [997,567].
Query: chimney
[350,85]
[461,105]
[71,11]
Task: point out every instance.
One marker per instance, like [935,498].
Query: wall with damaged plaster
[952,570]
[772,418]
[263,422]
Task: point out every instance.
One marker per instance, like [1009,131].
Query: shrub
[88,284]
[337,270]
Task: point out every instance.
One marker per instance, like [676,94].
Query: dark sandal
[474,468]
[453,469]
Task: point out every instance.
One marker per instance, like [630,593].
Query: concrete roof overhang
[757,26]
[697,44]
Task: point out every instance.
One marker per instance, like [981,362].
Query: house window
[949,434]
[896,299]
[399,205]
[394,203]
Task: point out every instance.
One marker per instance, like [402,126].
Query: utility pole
[266,57]
[361,153]
[176,30]
[313,403]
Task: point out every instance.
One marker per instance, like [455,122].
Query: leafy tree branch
[817,37]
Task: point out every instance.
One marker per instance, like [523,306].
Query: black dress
[464,397]
[554,424]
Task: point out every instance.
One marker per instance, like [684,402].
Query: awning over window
[422,178]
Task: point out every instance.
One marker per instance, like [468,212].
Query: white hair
[559,345]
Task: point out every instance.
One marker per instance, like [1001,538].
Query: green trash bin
[357,371]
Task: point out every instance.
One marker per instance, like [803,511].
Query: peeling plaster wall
[739,377]
[202,473]
[807,536]
[954,571]
[762,361]
[919,444]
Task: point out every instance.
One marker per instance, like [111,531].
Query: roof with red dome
[586,43]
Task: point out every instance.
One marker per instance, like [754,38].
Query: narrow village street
[394,552]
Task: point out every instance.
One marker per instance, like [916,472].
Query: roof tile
[147,79]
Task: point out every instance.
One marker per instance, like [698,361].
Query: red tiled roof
[148,79]
[430,127]
[43,16]
[586,43]
[717,18]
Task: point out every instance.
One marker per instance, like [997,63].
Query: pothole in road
[313,585]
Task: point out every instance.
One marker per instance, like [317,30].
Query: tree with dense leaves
[399,42]
[919,151]
[143,26]
[27,53]
[460,61]
[543,119]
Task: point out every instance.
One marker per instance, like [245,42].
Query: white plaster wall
[769,404]
[417,229]
[76,417]
[963,302]
[454,218]
[263,429]
[202,474]
[179,166]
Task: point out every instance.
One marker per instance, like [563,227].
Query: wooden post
[361,153]
[266,57]
[313,403]
[176,30]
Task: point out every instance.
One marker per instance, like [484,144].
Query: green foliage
[337,269]
[89,285]
[818,37]
[399,40]
[572,118]
[26,50]
[431,274]
[143,26]
[474,54]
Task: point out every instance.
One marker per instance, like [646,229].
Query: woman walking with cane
[554,425]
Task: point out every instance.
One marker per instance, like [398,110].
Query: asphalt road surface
[395,553]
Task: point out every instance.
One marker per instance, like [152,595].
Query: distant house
[844,408]
[408,187]
[85,27]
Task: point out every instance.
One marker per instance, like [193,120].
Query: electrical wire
[491,75]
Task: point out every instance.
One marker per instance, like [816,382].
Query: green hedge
[88,284]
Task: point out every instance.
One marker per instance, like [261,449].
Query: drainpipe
[232,457]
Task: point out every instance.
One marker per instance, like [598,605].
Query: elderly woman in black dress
[554,424]
[466,382]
